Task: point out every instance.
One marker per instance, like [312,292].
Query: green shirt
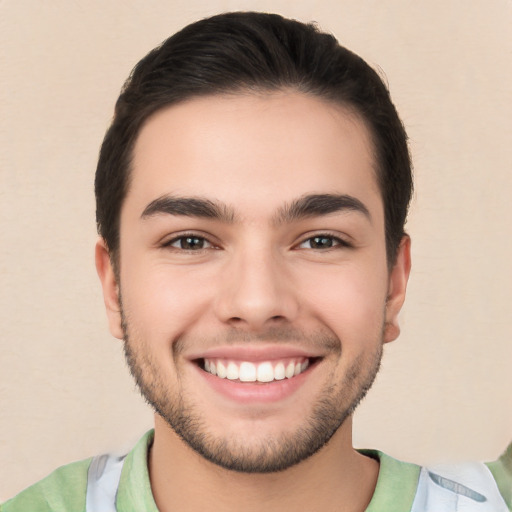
[64,490]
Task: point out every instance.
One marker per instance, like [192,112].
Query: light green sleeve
[501,469]
[62,491]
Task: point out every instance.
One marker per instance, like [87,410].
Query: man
[252,192]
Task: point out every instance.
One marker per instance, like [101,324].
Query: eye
[189,243]
[323,242]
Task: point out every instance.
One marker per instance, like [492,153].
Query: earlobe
[110,288]
[397,287]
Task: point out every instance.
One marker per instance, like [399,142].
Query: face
[254,294]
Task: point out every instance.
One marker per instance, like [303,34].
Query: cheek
[161,299]
[351,300]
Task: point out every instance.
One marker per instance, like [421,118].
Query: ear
[397,287]
[110,288]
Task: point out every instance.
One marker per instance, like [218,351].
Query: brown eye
[321,242]
[189,243]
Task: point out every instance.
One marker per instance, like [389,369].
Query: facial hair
[335,404]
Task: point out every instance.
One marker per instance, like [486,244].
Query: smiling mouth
[260,372]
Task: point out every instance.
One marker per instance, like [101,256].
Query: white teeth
[246,371]
[221,370]
[265,372]
[232,371]
[279,371]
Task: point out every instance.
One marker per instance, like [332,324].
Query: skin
[256,278]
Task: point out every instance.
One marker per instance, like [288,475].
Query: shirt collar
[395,489]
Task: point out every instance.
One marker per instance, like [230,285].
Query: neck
[335,478]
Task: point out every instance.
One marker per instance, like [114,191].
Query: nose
[255,291]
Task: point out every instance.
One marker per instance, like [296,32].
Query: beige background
[445,388]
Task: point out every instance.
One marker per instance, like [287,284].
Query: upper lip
[263,352]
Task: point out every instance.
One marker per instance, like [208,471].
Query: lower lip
[256,392]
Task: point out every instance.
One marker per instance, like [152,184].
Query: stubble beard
[334,405]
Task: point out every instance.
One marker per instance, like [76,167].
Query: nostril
[277,317]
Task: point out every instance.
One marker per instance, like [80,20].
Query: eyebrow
[312,205]
[315,205]
[190,207]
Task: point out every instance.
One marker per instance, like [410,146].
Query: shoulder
[470,486]
[62,491]
[402,486]
[501,470]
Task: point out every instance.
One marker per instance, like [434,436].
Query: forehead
[252,150]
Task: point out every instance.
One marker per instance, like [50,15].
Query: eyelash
[337,242]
